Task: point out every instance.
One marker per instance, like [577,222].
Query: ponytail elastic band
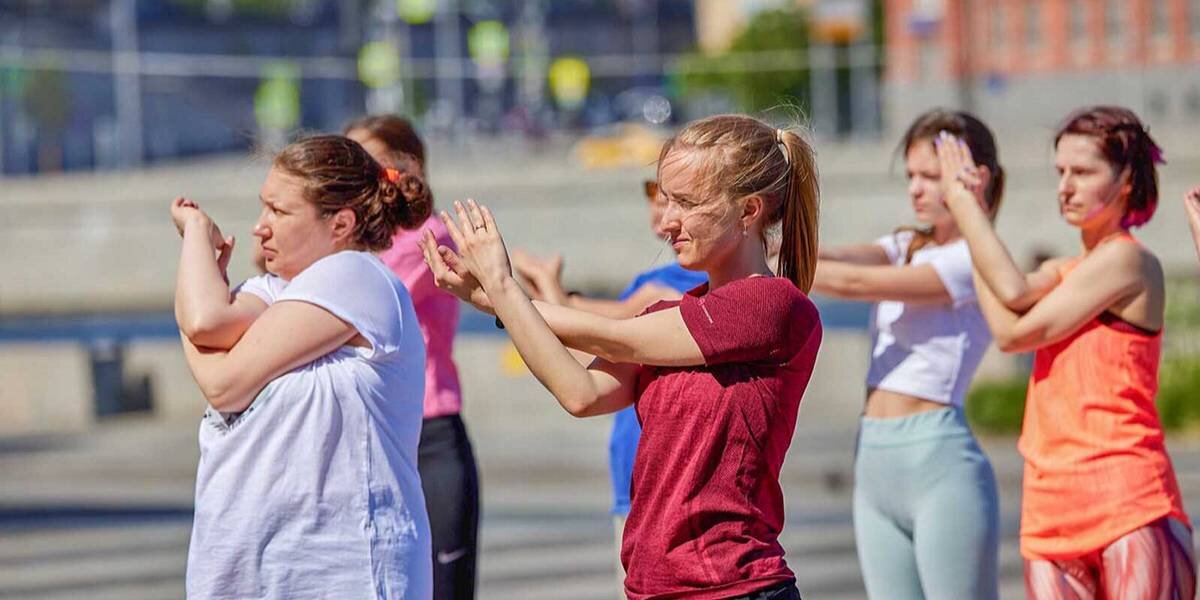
[782,146]
[392,175]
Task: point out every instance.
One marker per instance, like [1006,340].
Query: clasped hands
[962,179]
[480,268]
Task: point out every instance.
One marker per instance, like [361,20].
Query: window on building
[1160,19]
[1033,23]
[1114,23]
[1195,18]
[999,27]
[1079,21]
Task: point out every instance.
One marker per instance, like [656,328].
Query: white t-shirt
[313,491]
[267,287]
[929,351]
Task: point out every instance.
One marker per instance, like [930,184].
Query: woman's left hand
[480,247]
[962,180]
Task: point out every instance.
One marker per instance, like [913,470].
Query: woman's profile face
[702,227]
[1089,192]
[925,185]
[293,234]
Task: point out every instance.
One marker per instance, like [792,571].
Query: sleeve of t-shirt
[757,319]
[359,290]
[953,266]
[894,245]
[266,287]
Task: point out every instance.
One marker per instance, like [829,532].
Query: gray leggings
[926,515]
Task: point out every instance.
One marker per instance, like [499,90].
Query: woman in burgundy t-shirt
[717,376]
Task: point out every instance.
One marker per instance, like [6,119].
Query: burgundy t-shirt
[707,508]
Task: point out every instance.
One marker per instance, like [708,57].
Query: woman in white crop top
[925,506]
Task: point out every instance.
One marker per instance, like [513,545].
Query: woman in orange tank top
[1101,514]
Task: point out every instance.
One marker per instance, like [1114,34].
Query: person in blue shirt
[668,282]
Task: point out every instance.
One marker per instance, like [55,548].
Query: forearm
[1194,222]
[202,300]
[211,371]
[836,279]
[1008,327]
[545,355]
[989,255]
[612,309]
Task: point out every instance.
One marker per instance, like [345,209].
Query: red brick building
[1035,59]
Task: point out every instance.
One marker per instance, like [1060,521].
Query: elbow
[1007,345]
[578,406]
[223,398]
[1013,297]
[202,331]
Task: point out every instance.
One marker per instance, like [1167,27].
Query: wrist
[198,221]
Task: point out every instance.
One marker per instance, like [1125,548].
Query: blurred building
[111,83]
[1023,64]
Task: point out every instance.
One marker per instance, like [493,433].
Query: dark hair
[338,173]
[744,156]
[979,140]
[397,133]
[1125,144]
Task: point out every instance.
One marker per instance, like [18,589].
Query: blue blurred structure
[188,70]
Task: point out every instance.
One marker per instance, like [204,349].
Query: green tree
[742,77]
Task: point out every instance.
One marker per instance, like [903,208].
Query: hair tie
[787,160]
[1156,154]
[392,175]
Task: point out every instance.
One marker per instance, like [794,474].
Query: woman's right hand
[962,180]
[1191,204]
[452,275]
[186,213]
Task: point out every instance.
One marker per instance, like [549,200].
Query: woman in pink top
[446,462]
[716,377]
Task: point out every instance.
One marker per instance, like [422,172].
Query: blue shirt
[622,445]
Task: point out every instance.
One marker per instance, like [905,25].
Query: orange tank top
[1096,466]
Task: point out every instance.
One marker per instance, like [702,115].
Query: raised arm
[207,314]
[857,254]
[963,185]
[1109,275]
[230,379]
[908,283]
[1191,205]
[604,387]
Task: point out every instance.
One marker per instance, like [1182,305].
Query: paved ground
[106,514]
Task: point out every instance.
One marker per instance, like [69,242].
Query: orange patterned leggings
[1155,562]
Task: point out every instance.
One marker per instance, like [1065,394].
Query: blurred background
[552,112]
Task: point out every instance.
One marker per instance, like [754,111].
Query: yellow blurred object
[511,363]
[631,145]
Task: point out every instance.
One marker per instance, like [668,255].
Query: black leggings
[451,484]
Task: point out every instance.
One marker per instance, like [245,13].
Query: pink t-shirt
[437,314]
[706,505]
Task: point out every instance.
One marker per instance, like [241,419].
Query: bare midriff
[883,404]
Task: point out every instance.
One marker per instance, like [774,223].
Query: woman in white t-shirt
[307,485]
[925,506]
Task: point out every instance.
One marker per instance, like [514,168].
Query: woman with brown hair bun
[307,485]
[446,460]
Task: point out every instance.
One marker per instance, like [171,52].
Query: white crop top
[929,351]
